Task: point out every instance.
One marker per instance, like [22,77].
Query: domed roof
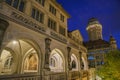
[93,21]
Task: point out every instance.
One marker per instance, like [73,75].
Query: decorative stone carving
[47,52]
[81,63]
[3,26]
[69,58]
[24,20]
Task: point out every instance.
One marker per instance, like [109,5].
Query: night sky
[106,11]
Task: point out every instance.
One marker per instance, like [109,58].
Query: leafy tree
[111,69]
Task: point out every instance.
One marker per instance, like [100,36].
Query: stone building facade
[35,43]
[97,46]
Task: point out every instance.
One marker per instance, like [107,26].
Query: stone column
[3,26]
[69,58]
[80,73]
[28,7]
[69,65]
[47,53]
[80,54]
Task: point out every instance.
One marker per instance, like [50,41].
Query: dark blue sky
[106,11]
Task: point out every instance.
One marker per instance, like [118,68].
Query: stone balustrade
[74,74]
[58,76]
[20,77]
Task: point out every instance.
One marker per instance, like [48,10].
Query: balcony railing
[74,74]
[58,76]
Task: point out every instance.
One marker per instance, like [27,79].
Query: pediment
[77,34]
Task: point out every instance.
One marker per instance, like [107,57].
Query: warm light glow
[14,42]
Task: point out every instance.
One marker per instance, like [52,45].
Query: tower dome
[94,29]
[93,21]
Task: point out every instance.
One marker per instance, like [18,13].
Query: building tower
[94,29]
[113,44]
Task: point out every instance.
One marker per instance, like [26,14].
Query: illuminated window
[52,24]
[52,62]
[18,4]
[8,63]
[38,15]
[31,63]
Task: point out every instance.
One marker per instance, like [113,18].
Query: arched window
[56,61]
[31,63]
[8,62]
[73,64]
[52,62]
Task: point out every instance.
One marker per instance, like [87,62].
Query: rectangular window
[52,9]
[52,24]
[21,7]
[61,17]
[41,17]
[33,13]
[18,4]
[15,3]
[38,15]
[42,2]
[62,30]
[8,2]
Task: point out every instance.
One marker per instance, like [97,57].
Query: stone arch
[30,61]
[84,63]
[7,61]
[3,27]
[59,61]
[21,47]
[74,62]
